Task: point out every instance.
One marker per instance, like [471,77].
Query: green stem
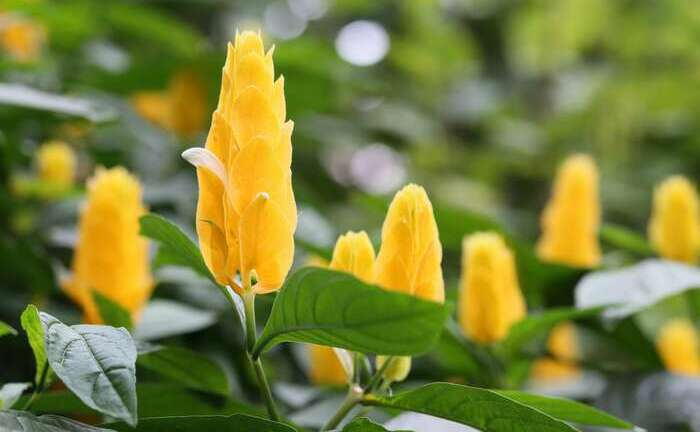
[38,388]
[377,377]
[353,397]
[251,336]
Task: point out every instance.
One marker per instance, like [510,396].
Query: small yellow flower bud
[110,256]
[56,164]
[325,367]
[246,213]
[354,254]
[677,344]
[398,369]
[674,228]
[563,347]
[490,300]
[410,255]
[22,39]
[571,220]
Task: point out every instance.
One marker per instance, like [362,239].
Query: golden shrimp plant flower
[678,347]
[246,213]
[571,219]
[674,228]
[110,256]
[409,260]
[56,164]
[563,348]
[490,300]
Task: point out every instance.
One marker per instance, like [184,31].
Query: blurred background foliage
[477,100]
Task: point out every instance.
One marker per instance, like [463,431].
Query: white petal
[201,157]
[346,361]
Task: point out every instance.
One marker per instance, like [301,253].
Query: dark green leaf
[111,313]
[483,409]
[6,329]
[363,424]
[22,421]
[165,318]
[234,423]
[567,410]
[97,363]
[536,325]
[625,239]
[35,334]
[10,393]
[178,248]
[332,308]
[186,367]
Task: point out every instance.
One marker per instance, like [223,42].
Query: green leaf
[174,244]
[483,409]
[536,325]
[363,424]
[625,239]
[186,367]
[165,318]
[567,410]
[6,329]
[10,393]
[112,313]
[234,423]
[332,308]
[22,421]
[97,363]
[35,334]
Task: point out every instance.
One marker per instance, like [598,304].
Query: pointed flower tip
[203,158]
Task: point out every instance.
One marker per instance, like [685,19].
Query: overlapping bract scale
[246,214]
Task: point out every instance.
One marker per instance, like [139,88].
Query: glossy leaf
[483,409]
[186,367]
[111,313]
[567,410]
[23,421]
[6,329]
[174,244]
[332,308]
[31,323]
[97,363]
[625,239]
[363,424]
[10,393]
[234,423]
[165,318]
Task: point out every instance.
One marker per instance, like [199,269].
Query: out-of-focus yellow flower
[397,370]
[674,228]
[562,345]
[181,108]
[110,255]
[490,301]
[21,39]
[571,220]
[410,255]
[316,261]
[354,254]
[246,214]
[677,344]
[325,367]
[56,164]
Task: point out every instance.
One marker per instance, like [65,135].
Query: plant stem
[377,376]
[38,388]
[251,336]
[353,397]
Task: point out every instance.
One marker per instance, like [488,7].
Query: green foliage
[31,323]
[336,309]
[234,423]
[22,421]
[111,313]
[6,329]
[10,394]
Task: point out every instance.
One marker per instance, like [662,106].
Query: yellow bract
[410,255]
[110,255]
[397,370]
[246,214]
[571,220]
[562,345]
[677,344]
[354,254]
[490,300]
[56,163]
[674,228]
[22,39]
[181,108]
[325,368]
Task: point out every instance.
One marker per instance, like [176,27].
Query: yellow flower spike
[674,228]
[354,254]
[571,220]
[490,301]
[246,213]
[397,370]
[326,368]
[562,345]
[677,344]
[110,256]
[410,255]
[56,163]
[22,39]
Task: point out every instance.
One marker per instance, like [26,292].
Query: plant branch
[353,397]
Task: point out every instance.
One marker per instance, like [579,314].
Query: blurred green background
[477,100]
